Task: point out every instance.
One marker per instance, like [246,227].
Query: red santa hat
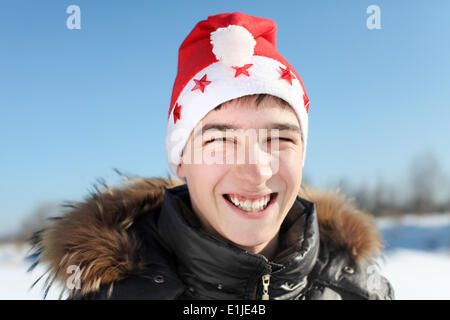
[228,56]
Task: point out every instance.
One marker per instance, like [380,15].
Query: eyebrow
[225,127]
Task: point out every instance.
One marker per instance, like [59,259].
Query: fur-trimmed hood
[93,234]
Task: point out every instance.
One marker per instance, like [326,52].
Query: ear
[180,171]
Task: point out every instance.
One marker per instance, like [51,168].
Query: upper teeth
[250,205]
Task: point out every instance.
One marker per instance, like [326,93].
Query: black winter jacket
[144,242]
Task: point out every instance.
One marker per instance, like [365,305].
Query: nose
[256,169]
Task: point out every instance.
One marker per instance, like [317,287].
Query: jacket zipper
[265,285]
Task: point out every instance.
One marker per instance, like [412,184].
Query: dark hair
[258,98]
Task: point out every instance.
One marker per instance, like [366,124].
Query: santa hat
[228,56]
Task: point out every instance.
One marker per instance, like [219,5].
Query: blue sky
[76,103]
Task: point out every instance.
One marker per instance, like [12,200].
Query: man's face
[243,187]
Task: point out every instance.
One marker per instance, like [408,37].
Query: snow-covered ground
[14,278]
[417,261]
[417,255]
[418,274]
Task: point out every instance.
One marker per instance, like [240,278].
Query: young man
[241,227]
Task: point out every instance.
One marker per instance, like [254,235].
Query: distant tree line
[426,189]
[38,219]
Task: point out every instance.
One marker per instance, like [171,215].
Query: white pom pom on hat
[233,45]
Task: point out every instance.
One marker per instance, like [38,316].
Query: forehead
[249,114]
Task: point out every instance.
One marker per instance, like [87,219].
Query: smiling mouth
[251,205]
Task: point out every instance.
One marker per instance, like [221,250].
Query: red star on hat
[201,84]
[176,113]
[306,102]
[287,75]
[242,70]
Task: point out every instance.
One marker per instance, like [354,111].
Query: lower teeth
[252,209]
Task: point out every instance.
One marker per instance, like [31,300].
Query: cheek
[202,180]
[290,169]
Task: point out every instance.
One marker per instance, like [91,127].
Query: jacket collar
[215,269]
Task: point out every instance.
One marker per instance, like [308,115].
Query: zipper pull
[265,284]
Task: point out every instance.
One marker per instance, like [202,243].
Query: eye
[218,139]
[279,138]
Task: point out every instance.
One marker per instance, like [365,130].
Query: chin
[251,239]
